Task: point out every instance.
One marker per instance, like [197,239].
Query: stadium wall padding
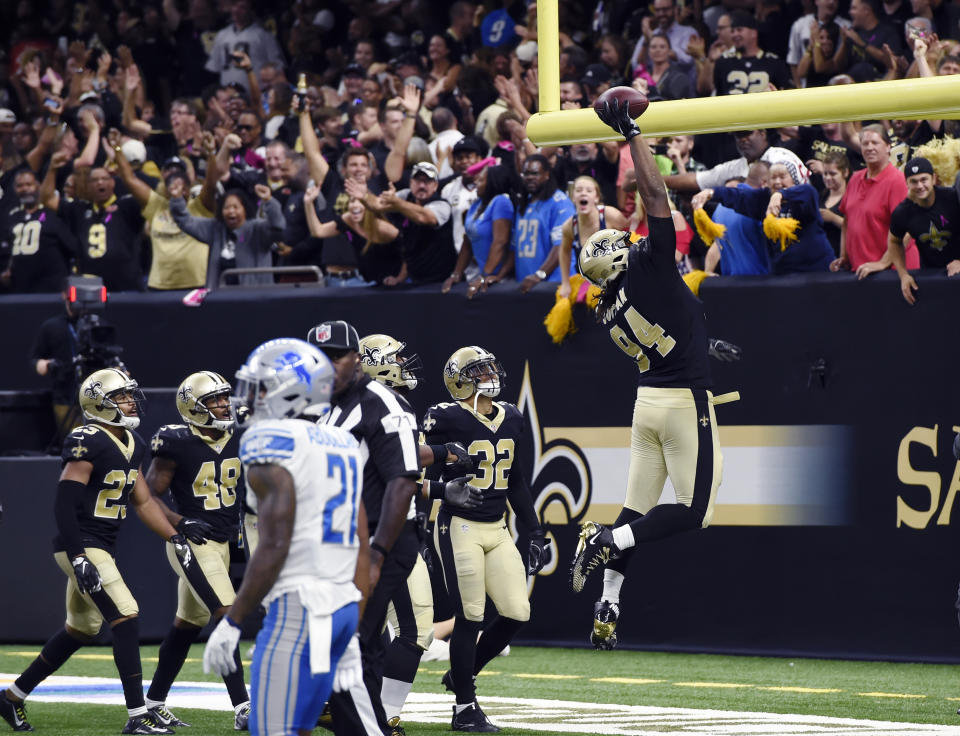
[839,543]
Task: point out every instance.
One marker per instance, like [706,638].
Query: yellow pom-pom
[709,230]
[593,296]
[944,155]
[693,279]
[781,229]
[559,321]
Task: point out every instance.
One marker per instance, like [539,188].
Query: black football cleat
[605,615]
[14,713]
[472,720]
[165,717]
[594,548]
[241,719]
[395,728]
[145,724]
[447,681]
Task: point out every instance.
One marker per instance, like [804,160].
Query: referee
[386,428]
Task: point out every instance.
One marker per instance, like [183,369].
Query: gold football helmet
[473,370]
[99,394]
[604,255]
[381,359]
[193,394]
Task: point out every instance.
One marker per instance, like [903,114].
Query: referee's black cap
[334,335]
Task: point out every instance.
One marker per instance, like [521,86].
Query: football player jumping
[658,322]
[198,463]
[101,475]
[475,548]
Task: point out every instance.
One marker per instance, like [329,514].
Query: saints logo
[92,391]
[79,451]
[184,394]
[429,423]
[452,369]
[156,443]
[371,356]
[934,238]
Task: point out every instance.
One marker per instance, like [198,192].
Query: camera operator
[72,345]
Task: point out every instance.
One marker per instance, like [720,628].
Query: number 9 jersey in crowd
[327,471]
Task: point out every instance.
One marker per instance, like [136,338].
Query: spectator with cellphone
[243,34]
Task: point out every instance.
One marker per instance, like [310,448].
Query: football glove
[350,669]
[196,530]
[616,114]
[725,352]
[182,548]
[88,578]
[218,654]
[458,459]
[538,555]
[459,492]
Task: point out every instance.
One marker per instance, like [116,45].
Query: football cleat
[241,719]
[165,717]
[447,681]
[605,615]
[14,713]
[594,548]
[326,718]
[145,724]
[472,719]
[395,728]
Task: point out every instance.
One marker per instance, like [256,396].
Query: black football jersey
[656,320]
[116,465]
[386,428]
[208,476]
[41,250]
[493,443]
[109,238]
[738,75]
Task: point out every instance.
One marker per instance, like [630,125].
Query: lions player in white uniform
[304,483]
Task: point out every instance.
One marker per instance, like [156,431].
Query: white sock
[462,707]
[14,690]
[612,581]
[152,703]
[623,537]
[394,694]
[134,712]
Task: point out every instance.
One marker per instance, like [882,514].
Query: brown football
[637,101]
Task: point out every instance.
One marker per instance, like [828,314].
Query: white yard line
[554,716]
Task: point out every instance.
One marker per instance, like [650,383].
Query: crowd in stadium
[160,145]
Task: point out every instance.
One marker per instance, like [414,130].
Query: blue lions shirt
[537,229]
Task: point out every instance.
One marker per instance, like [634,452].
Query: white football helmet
[193,394]
[98,398]
[604,255]
[285,378]
[381,358]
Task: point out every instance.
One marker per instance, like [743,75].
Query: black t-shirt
[428,249]
[936,229]
[884,33]
[57,340]
[656,320]
[811,143]
[193,46]
[495,443]
[385,426]
[208,476]
[116,465]
[41,247]
[738,75]
[109,237]
[605,172]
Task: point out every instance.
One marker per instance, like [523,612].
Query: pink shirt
[867,206]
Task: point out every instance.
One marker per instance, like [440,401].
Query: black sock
[173,653]
[54,653]
[402,660]
[664,521]
[494,639]
[126,655]
[627,516]
[463,647]
[234,682]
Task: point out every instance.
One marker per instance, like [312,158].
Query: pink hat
[481,165]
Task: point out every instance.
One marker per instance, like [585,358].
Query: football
[637,101]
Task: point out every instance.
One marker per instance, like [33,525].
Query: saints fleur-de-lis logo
[78,451]
[452,368]
[156,443]
[184,394]
[371,356]
[560,482]
[92,391]
[429,423]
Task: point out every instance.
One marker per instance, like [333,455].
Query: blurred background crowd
[190,144]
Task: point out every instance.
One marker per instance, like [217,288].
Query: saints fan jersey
[655,318]
[207,478]
[492,442]
[116,465]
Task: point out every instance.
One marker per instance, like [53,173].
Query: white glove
[349,670]
[218,654]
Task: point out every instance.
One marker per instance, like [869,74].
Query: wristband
[540,274]
[434,490]
[440,453]
[379,548]
[233,623]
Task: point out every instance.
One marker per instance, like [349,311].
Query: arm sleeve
[716,177]
[69,494]
[663,237]
[441,210]
[746,201]
[201,228]
[272,226]
[393,445]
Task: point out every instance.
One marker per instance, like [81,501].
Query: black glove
[459,492]
[616,114]
[537,556]
[182,548]
[88,578]
[460,462]
[725,352]
[195,530]
[427,554]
